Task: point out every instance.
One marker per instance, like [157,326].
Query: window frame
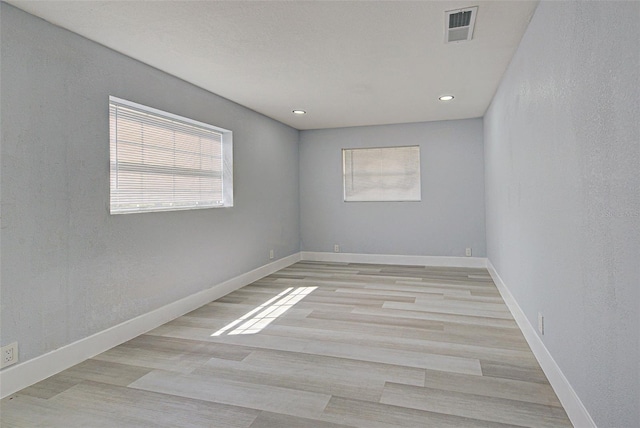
[398,199]
[226,172]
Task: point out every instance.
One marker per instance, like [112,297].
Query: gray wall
[69,269]
[562,151]
[449,218]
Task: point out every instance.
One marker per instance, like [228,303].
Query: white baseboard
[576,411]
[471,262]
[22,375]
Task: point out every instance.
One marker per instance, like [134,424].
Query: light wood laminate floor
[323,345]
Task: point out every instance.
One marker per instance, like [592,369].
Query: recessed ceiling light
[446,98]
[299,112]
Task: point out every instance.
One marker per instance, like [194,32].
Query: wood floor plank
[411,295]
[425,306]
[517,371]
[365,414]
[377,320]
[92,404]
[51,387]
[183,362]
[278,420]
[245,394]
[346,367]
[472,406]
[436,316]
[178,346]
[93,370]
[531,392]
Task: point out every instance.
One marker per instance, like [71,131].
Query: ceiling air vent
[459,24]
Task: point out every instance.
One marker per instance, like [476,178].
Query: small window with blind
[381,174]
[164,162]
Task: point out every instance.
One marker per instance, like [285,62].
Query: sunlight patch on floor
[257,319]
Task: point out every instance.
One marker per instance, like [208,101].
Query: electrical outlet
[271,255]
[541,323]
[336,248]
[9,354]
[467,252]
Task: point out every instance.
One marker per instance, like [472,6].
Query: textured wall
[562,152]
[449,218]
[69,269]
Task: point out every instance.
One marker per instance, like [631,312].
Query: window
[381,174]
[164,162]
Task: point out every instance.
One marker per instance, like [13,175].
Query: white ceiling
[347,63]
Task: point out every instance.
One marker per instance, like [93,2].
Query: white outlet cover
[13,349]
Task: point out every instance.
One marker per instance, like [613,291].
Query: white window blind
[164,162]
[381,174]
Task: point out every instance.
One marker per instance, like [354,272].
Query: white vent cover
[459,23]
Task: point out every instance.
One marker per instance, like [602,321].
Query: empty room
[327,214]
